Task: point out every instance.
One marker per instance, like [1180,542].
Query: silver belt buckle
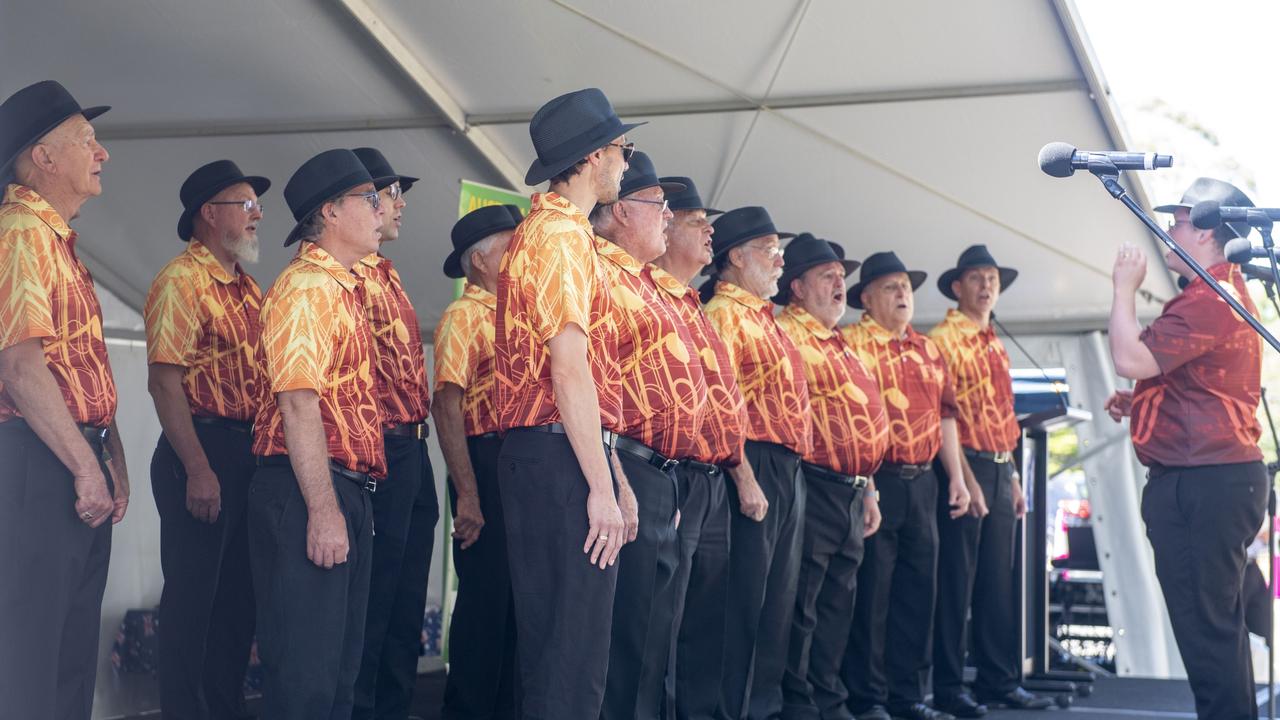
[1002,457]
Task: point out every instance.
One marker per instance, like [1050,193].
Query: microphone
[1240,251]
[1209,214]
[1062,160]
[1251,272]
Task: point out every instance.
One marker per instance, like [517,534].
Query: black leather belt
[363,479]
[243,426]
[705,468]
[417,431]
[487,436]
[904,471]
[646,453]
[856,482]
[998,458]
[97,437]
[609,437]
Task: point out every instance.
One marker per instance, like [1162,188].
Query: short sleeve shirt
[725,417]
[46,292]
[1202,407]
[979,368]
[914,383]
[768,367]
[663,389]
[205,319]
[403,388]
[850,433]
[464,356]
[551,277]
[315,336]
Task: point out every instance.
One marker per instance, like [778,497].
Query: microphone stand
[1106,172]
[1273,467]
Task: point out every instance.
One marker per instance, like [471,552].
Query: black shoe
[1017,699]
[875,712]
[962,706]
[919,711]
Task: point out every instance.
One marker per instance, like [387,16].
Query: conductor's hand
[1129,270]
[607,531]
[327,538]
[1120,404]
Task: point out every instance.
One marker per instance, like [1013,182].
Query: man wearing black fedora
[482,632]
[896,581]
[664,392]
[558,396]
[205,377]
[764,558]
[702,577]
[975,551]
[318,438]
[1194,425]
[849,438]
[64,469]
[406,509]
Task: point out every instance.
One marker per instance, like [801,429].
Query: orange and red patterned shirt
[979,367]
[725,416]
[315,336]
[850,432]
[767,365]
[552,276]
[1202,407]
[663,389]
[914,383]
[47,293]
[403,388]
[203,318]
[464,356]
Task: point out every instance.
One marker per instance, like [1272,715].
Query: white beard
[244,249]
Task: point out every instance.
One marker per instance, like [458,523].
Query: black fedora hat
[29,114]
[974,256]
[640,174]
[319,180]
[381,171]
[687,199]
[804,253]
[739,226]
[207,181]
[476,226]
[877,265]
[570,127]
[1221,192]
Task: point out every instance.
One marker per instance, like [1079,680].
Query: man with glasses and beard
[205,378]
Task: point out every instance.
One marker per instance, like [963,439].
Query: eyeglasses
[375,200]
[770,251]
[663,203]
[628,149]
[393,191]
[1176,223]
[248,205]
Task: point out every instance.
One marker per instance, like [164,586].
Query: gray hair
[484,245]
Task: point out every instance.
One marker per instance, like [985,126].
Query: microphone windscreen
[1205,215]
[1055,159]
[1238,251]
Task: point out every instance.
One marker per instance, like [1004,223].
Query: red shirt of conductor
[1193,421]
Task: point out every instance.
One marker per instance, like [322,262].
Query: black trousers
[206,607]
[310,620]
[563,603]
[895,597]
[482,634]
[833,547]
[405,511]
[975,579]
[701,592]
[764,566]
[1199,521]
[1257,601]
[53,570]
[644,605]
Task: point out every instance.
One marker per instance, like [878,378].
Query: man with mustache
[205,377]
[62,453]
[849,438]
[897,579]
[764,559]
[318,438]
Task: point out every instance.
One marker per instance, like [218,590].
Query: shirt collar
[317,256]
[371,260]
[480,295]
[882,336]
[554,202]
[204,257]
[807,321]
[668,282]
[964,325]
[742,297]
[25,196]
[615,254]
